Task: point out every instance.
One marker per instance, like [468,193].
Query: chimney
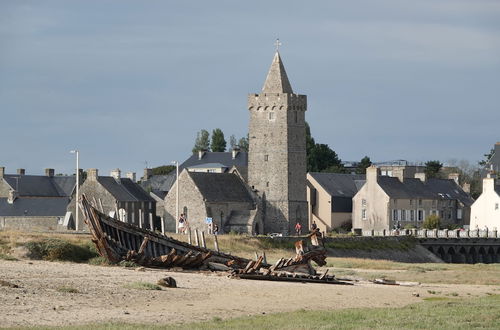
[201,153]
[131,176]
[399,173]
[371,174]
[148,172]
[466,187]
[488,183]
[2,172]
[116,173]
[421,176]
[12,196]
[454,177]
[92,174]
[49,172]
[235,152]
[21,171]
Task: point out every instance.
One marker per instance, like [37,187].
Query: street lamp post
[176,194]
[77,223]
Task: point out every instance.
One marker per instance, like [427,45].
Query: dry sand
[102,296]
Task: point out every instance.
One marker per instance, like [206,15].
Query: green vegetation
[372,244]
[320,157]
[432,222]
[363,164]
[163,170]
[7,257]
[424,273]
[55,249]
[432,313]
[142,286]
[432,168]
[202,141]
[218,143]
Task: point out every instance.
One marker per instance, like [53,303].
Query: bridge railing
[434,233]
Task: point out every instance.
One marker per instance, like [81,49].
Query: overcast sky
[127,82]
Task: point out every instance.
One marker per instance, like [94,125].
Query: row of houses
[213,187]
[47,202]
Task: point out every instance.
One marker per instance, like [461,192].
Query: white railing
[434,233]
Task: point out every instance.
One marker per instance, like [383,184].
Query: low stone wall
[50,223]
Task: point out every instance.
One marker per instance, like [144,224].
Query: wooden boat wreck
[119,241]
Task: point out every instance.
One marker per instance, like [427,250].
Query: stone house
[390,202]
[119,197]
[34,202]
[329,196]
[485,212]
[223,197]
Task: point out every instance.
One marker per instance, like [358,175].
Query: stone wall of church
[277,156]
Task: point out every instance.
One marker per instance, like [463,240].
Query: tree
[487,158]
[320,157]
[310,144]
[432,168]
[243,143]
[324,159]
[163,170]
[202,141]
[232,141]
[432,222]
[218,141]
[363,164]
[468,173]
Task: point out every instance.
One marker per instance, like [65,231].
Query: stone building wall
[277,157]
[49,223]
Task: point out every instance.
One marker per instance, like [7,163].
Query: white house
[485,212]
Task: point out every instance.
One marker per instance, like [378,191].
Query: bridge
[453,246]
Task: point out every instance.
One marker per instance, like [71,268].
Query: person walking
[182,224]
[298,229]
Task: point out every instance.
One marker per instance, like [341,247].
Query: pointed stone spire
[277,80]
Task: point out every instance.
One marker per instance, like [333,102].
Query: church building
[277,151]
[271,197]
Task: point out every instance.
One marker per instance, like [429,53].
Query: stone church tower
[277,151]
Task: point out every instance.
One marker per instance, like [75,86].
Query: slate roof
[159,193]
[497,189]
[340,185]
[221,187]
[412,188]
[124,189]
[34,206]
[224,158]
[41,186]
[159,182]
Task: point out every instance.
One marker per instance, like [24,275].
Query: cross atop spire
[277,43]
[277,80]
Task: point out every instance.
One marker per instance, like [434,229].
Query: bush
[432,222]
[53,249]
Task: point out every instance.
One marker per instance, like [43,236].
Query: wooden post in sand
[196,238]
[216,243]
[189,236]
[203,243]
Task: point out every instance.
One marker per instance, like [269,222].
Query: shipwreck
[119,241]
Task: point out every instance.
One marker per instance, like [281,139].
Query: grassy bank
[425,273]
[444,313]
